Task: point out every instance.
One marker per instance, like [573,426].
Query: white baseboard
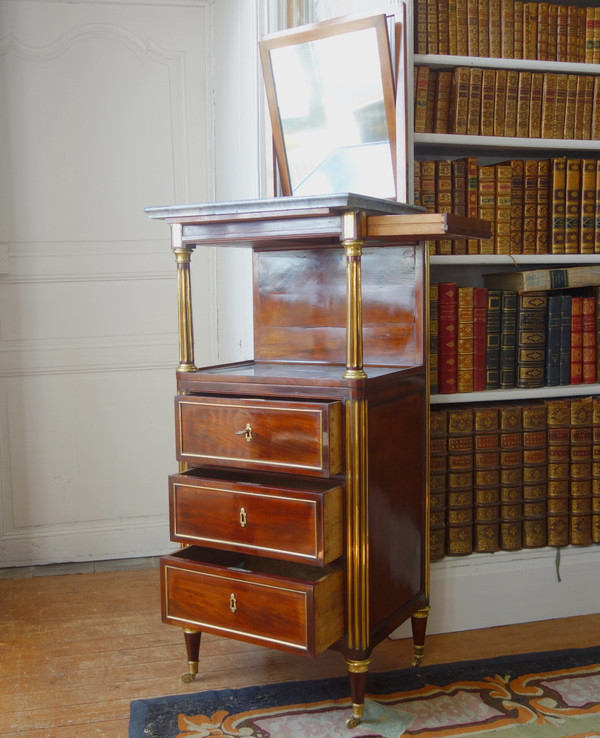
[485,590]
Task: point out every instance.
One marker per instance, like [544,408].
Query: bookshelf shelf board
[568,390]
[450,143]
[543,261]
[444,61]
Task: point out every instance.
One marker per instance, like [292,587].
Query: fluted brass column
[183,256]
[354,341]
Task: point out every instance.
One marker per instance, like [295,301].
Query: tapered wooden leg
[192,645]
[419,626]
[357,671]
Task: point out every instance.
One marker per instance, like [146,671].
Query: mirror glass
[331,99]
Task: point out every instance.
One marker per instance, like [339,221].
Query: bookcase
[560,575]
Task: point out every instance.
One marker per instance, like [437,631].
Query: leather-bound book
[558,418]
[502,231]
[597,206]
[417,182]
[462,41]
[508,339]
[588,358]
[421,87]
[452,28]
[581,35]
[459,101]
[572,33]
[518,29]
[459,199]
[507,29]
[442,101]
[595,525]
[579,107]
[542,223]
[549,104]
[433,338]
[580,472]
[488,102]
[474,101]
[443,199]
[535,111]
[486,181]
[559,195]
[564,371]
[597,304]
[516,206]
[588,206]
[531,339]
[480,304]
[511,477]
[438,469]
[464,332]
[523,104]
[597,35]
[569,131]
[576,370]
[553,323]
[542,32]
[500,107]
[535,460]
[572,206]
[512,96]
[495,29]
[443,26]
[561,33]
[432,88]
[483,15]
[472,199]
[530,30]
[432,26]
[492,359]
[473,27]
[589,35]
[459,518]
[530,206]
[560,106]
[486,513]
[588,102]
[552,31]
[421,26]
[447,342]
[595,129]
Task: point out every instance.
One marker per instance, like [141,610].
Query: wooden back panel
[300,305]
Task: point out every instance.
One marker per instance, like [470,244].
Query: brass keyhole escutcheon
[243,518]
[246,432]
[232,603]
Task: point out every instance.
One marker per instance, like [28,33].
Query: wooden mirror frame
[315,32]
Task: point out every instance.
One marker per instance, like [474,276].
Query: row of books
[501,102]
[484,339]
[512,476]
[536,206]
[508,29]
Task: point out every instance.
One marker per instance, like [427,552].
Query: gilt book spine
[500,106]
[572,206]
[464,328]
[535,460]
[595,518]
[421,27]
[508,329]
[518,29]
[480,302]
[495,29]
[459,101]
[530,206]
[580,472]
[452,28]
[486,492]
[542,223]
[535,111]
[552,31]
[443,199]
[588,102]
[432,87]
[531,339]
[473,27]
[432,27]
[530,30]
[548,104]
[597,211]
[443,26]
[483,15]
[488,101]
[433,338]
[459,199]
[553,317]
[474,101]
[462,21]
[442,101]
[459,518]
[503,215]
[486,204]
[492,380]
[569,131]
[576,369]
[507,29]
[588,206]
[512,96]
[447,343]
[595,125]
[438,469]
[523,104]
[542,31]
[588,357]
[559,189]
[516,207]
[558,418]
[564,369]
[422,84]
[560,106]
[511,477]
[561,33]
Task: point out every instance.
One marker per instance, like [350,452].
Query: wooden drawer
[287,606]
[287,518]
[267,435]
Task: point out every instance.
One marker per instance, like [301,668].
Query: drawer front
[299,437]
[287,613]
[280,522]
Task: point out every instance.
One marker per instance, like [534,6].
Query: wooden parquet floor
[75,649]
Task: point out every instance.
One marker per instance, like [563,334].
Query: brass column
[354,342]
[183,256]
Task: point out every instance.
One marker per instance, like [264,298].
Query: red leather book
[577,340]
[480,305]
[447,340]
[588,359]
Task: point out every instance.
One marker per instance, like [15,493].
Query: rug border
[139,707]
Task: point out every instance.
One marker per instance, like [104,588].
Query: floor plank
[76,649]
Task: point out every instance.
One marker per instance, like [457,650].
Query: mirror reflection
[330,92]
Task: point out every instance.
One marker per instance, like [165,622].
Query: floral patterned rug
[541,695]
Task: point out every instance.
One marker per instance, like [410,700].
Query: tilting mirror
[331,95]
